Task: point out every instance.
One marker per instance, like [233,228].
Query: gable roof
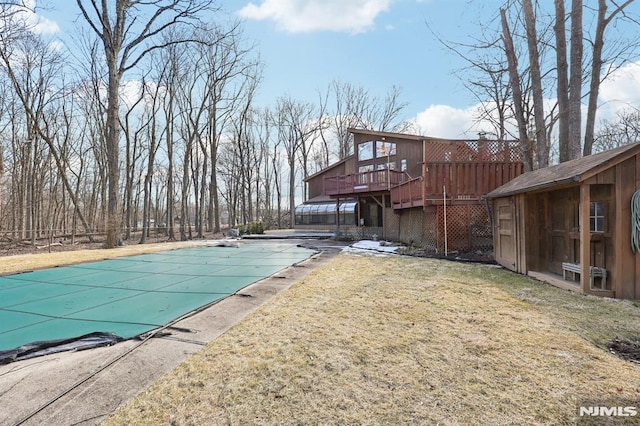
[567,172]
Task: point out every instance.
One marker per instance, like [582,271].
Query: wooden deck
[373,181]
[408,194]
[465,182]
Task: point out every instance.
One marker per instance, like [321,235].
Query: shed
[571,224]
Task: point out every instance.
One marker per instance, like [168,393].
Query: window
[365,151]
[596,216]
[325,214]
[384,166]
[403,165]
[348,213]
[364,169]
[375,149]
[385,149]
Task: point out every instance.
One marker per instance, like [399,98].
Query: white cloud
[620,90]
[130,91]
[445,121]
[37,23]
[304,16]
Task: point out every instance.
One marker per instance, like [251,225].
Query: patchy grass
[29,262]
[370,340]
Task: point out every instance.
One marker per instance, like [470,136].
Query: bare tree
[356,107]
[153,138]
[133,153]
[170,82]
[596,68]
[539,78]
[562,89]
[542,148]
[574,111]
[34,70]
[514,81]
[127,39]
[297,124]
[226,63]
[622,131]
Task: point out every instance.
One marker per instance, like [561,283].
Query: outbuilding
[572,224]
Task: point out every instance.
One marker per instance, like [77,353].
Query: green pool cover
[125,297]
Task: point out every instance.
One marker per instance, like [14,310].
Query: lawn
[401,340]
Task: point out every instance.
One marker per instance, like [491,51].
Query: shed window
[596,216]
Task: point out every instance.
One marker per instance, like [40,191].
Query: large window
[365,151]
[385,149]
[378,149]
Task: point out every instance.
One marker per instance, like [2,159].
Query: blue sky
[396,48]
[376,44]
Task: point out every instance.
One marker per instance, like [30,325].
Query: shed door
[505,236]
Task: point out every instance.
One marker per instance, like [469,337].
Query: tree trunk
[596,70]
[563,80]
[514,81]
[575,83]
[542,149]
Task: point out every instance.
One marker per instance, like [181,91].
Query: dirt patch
[12,247]
[626,349]
[465,256]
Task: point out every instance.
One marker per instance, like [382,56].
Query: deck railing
[407,194]
[463,181]
[468,180]
[371,181]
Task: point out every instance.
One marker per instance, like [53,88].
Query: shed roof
[378,133]
[329,167]
[567,172]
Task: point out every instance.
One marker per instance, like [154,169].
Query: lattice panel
[412,227]
[467,229]
[473,151]
[391,225]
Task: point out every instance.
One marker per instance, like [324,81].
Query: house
[571,224]
[419,190]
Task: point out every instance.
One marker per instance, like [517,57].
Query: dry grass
[370,340]
[30,262]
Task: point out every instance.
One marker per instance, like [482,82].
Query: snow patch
[369,247]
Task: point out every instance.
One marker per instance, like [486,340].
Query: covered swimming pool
[125,297]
